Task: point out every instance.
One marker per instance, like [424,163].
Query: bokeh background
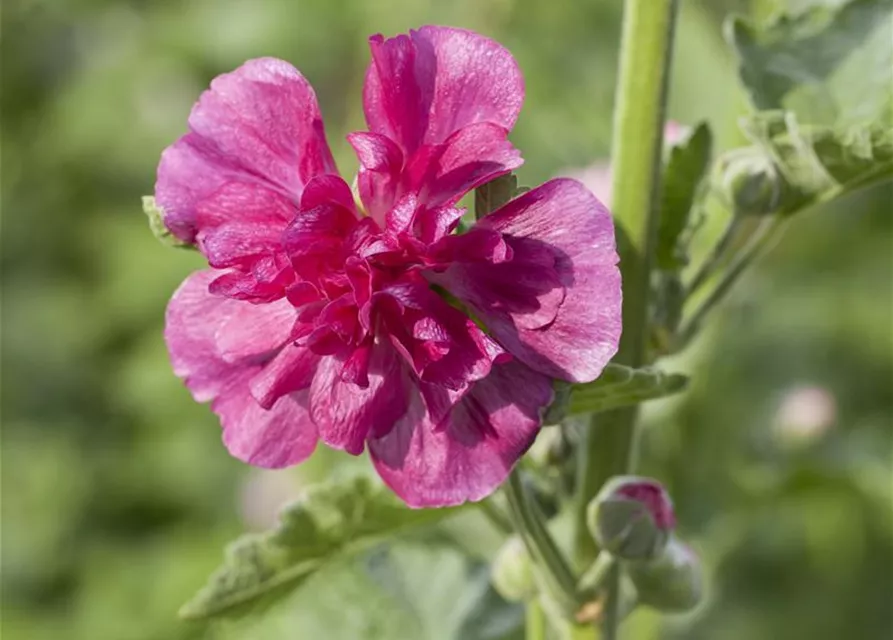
[117,496]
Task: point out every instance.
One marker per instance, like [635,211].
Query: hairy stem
[763,240]
[717,255]
[646,47]
[550,562]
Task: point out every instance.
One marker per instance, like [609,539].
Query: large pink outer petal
[582,326]
[422,88]
[201,331]
[470,454]
[259,124]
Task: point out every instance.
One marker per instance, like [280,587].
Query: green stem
[611,615]
[496,516]
[535,621]
[717,255]
[645,53]
[646,47]
[595,576]
[763,240]
[530,524]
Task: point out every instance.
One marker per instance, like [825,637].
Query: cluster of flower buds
[632,519]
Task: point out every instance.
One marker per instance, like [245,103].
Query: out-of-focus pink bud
[805,414]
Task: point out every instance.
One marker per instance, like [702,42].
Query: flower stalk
[556,574]
[639,114]
[764,239]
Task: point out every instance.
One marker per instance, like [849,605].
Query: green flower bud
[631,518]
[512,571]
[750,181]
[672,582]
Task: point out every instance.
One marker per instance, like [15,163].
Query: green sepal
[156,224]
[621,386]
[490,196]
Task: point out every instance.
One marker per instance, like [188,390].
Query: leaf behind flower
[330,521]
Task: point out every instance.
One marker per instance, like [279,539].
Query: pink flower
[316,321]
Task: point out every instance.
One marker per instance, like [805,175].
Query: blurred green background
[117,495]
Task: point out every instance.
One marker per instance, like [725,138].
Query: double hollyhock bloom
[376,325]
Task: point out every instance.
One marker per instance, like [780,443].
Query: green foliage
[795,166]
[328,522]
[404,591]
[685,169]
[831,66]
[492,195]
[620,386]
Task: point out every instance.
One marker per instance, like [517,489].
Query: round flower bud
[512,571]
[631,518]
[672,582]
[750,181]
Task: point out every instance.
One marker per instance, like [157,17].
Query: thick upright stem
[645,53]
[636,160]
[646,47]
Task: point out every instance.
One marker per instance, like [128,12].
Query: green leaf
[404,591]
[830,66]
[329,521]
[156,224]
[815,163]
[686,166]
[620,386]
[492,195]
